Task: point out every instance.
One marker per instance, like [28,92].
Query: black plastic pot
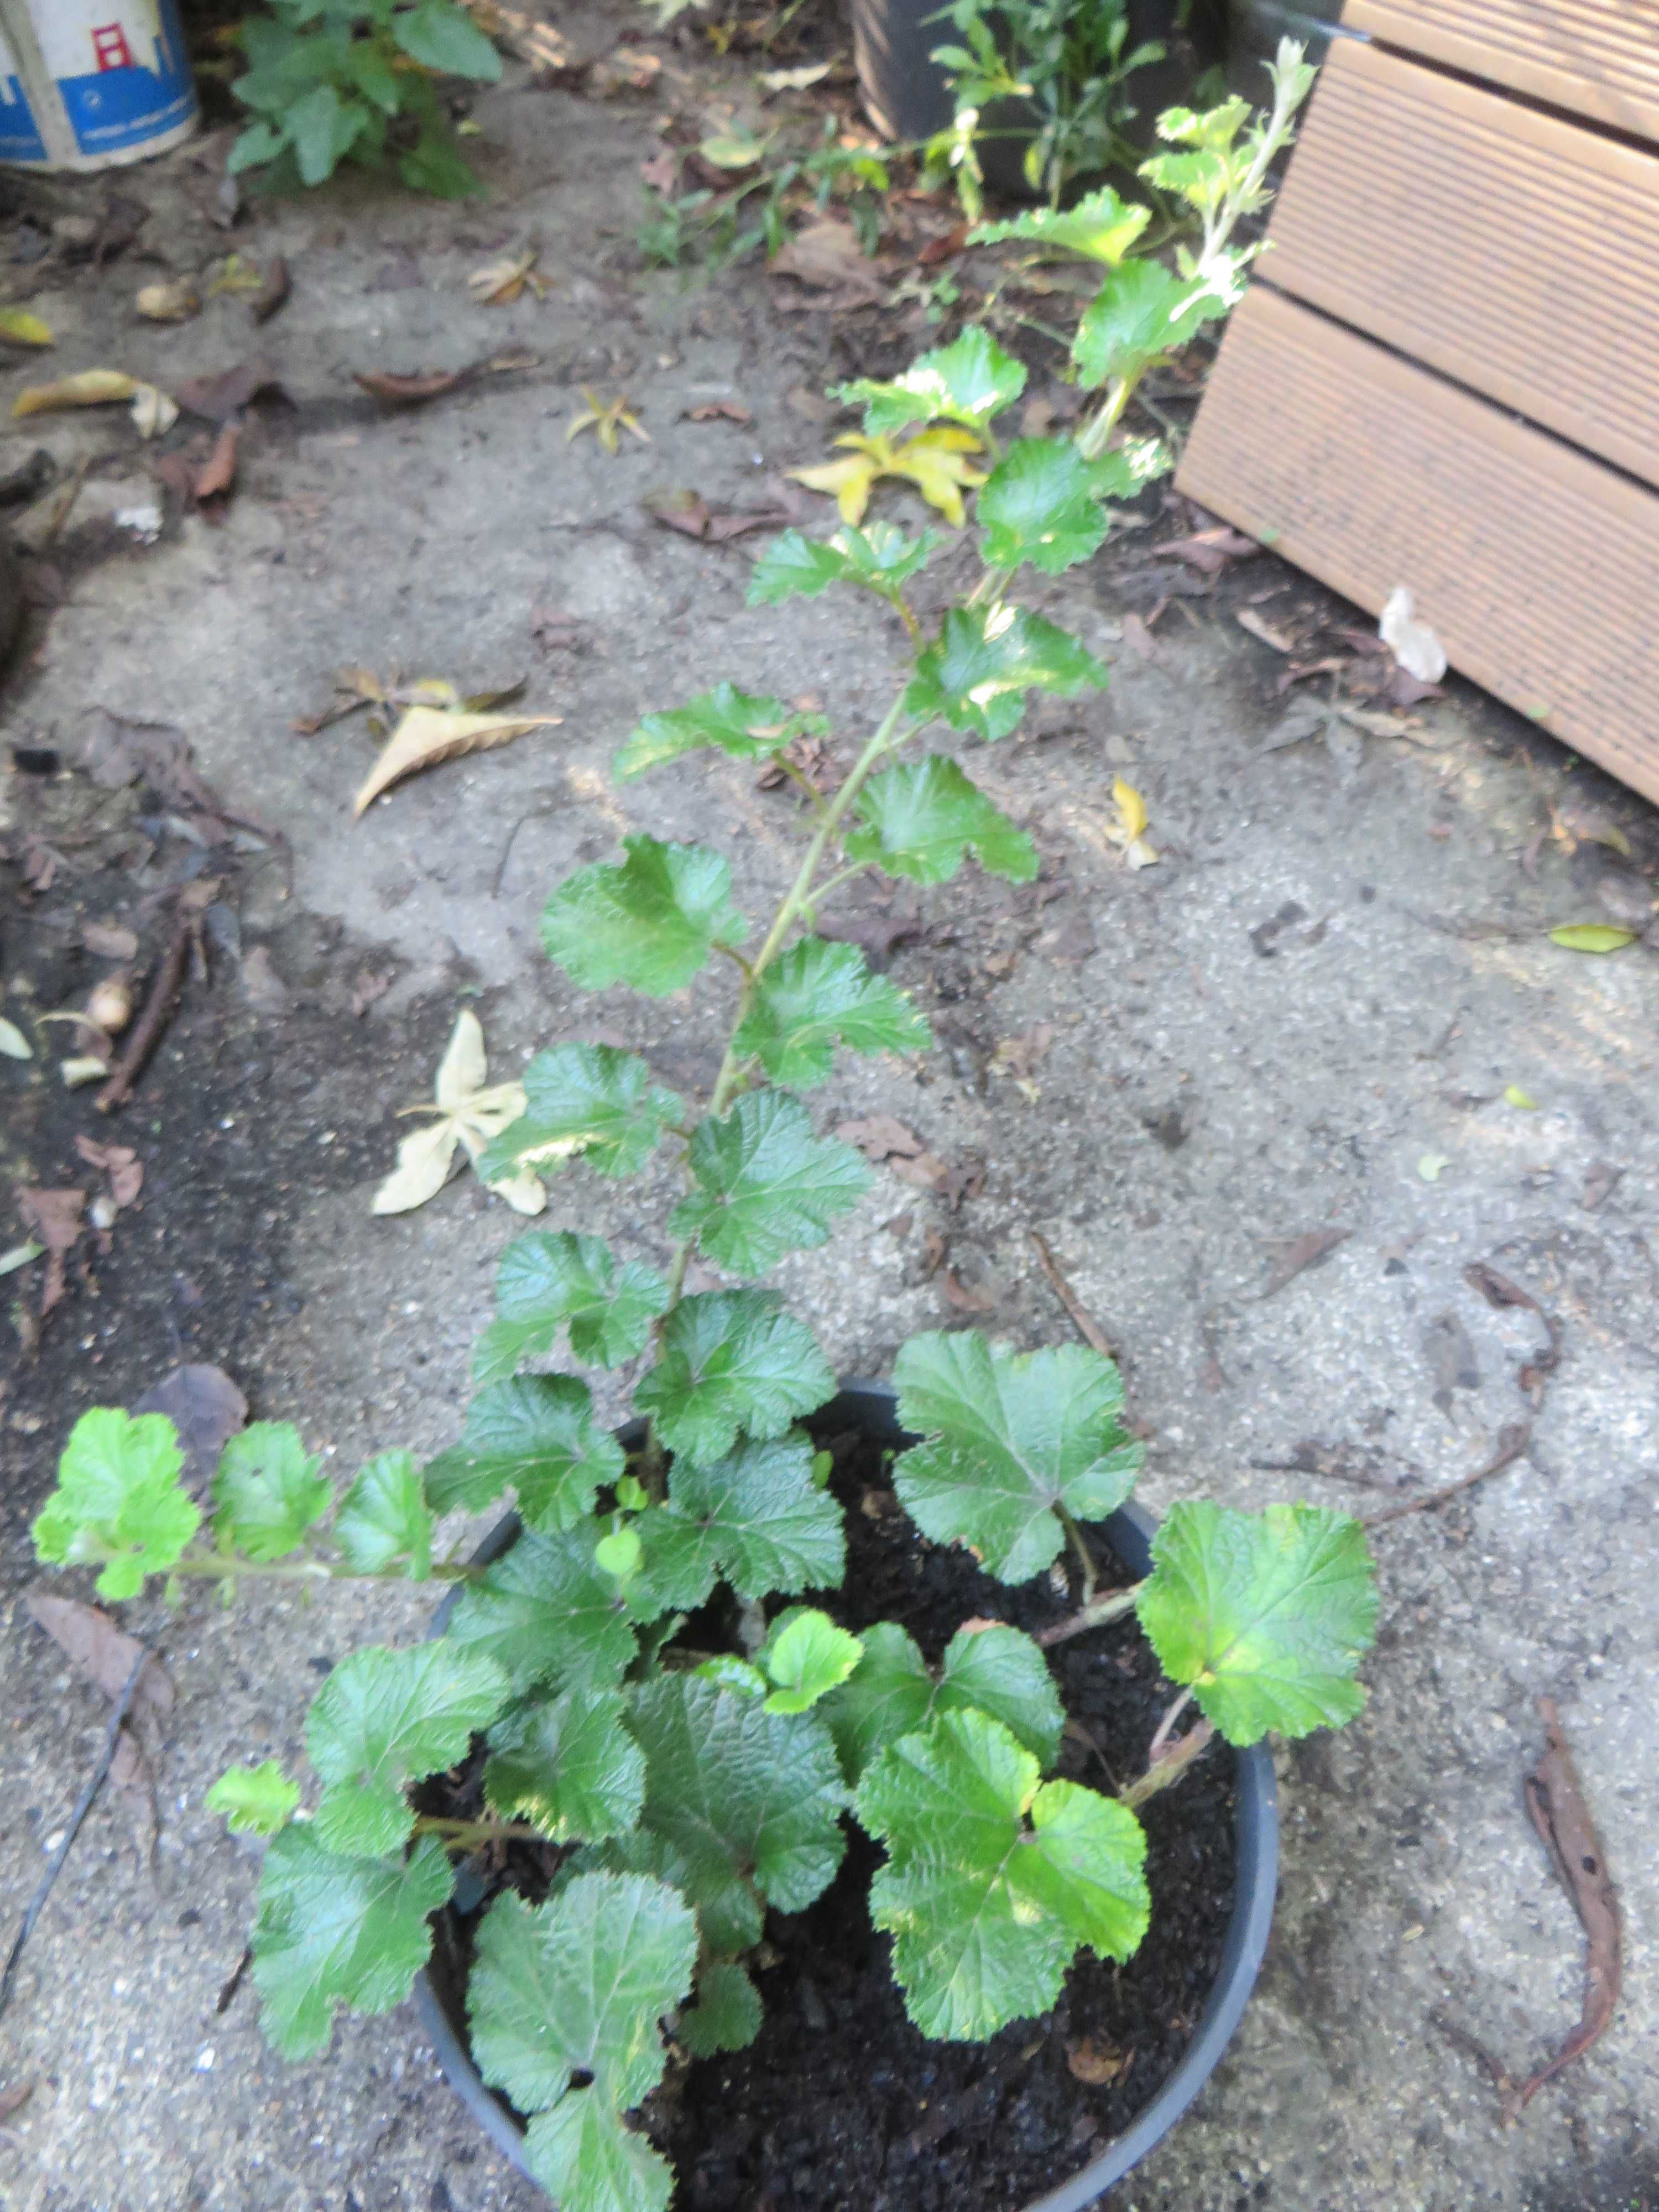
[440,1995]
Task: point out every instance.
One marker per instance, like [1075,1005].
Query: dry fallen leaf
[206,1409]
[500,283]
[719,410]
[14,2100]
[1298,1253]
[13,1044]
[1210,551]
[1412,643]
[470,1114]
[1130,829]
[119,1163]
[22,328]
[926,1169]
[153,412]
[606,417]
[220,473]
[92,387]
[273,292]
[55,1217]
[958,1294]
[110,940]
[408,391]
[174,301]
[106,1655]
[827,254]
[427,735]
[795,80]
[1258,626]
[216,398]
[1096,2064]
[879,1137]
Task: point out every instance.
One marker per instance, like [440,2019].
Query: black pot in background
[907,95]
[440,1994]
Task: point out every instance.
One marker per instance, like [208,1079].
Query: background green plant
[332,81]
[656,1706]
[719,228]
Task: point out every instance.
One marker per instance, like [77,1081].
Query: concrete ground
[1325,988]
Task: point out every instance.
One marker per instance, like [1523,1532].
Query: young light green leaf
[1038,504]
[757,1515]
[1141,312]
[621,1553]
[986,660]
[384,1718]
[534,1434]
[119,1499]
[1100,227]
[728,1671]
[893,1693]
[551,1277]
[878,555]
[1010,1437]
[564,2002]
[742,1794]
[548,1613]
[1265,1615]
[919,818]
[267,1491]
[731,1361]
[744,727]
[988,1913]
[333,1930]
[766,1184]
[1126,470]
[806,1655]
[385,1517]
[968,381]
[255,1800]
[816,996]
[570,1766]
[727,2016]
[650,923]
[587,1101]
[1591,937]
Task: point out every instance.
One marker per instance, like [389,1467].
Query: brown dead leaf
[14,2100]
[1599,1184]
[680,508]
[877,932]
[500,283]
[1295,1254]
[926,1170]
[1096,2064]
[554,630]
[55,1217]
[1021,1056]
[719,410]
[119,1163]
[372,983]
[206,1408]
[662,171]
[880,1138]
[878,1505]
[110,940]
[810,757]
[1258,626]
[106,1655]
[933,1249]
[401,391]
[216,398]
[219,474]
[956,1294]
[965,1179]
[273,293]
[427,735]
[945,247]
[625,69]
[174,301]
[827,257]
[261,987]
[1210,551]
[1138,639]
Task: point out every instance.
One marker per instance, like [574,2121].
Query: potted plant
[663,1725]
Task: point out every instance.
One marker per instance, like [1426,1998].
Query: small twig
[1159,1746]
[1100,1614]
[235,1982]
[1171,1767]
[1449,2029]
[1087,1327]
[84,1805]
[61,513]
[1512,1444]
[158,1006]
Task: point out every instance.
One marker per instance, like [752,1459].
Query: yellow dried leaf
[175,302]
[500,283]
[934,461]
[23,328]
[427,735]
[469,1115]
[153,411]
[1132,806]
[92,387]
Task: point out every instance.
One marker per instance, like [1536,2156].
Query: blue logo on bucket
[121,71]
[20,134]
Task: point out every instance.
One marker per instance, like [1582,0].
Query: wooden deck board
[1594,57]
[1517,253]
[1534,563]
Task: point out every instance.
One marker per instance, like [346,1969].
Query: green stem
[1100,1614]
[472,1835]
[218,1566]
[1171,1768]
[1085,1556]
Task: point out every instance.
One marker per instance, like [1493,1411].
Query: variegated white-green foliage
[588,1681]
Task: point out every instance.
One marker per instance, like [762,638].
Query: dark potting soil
[840,2104]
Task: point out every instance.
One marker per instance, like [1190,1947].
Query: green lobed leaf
[805,1655]
[730,1914]
[986,1913]
[922,817]
[1100,227]
[569,1765]
[1265,1615]
[547,1613]
[1126,470]
[333,1930]
[766,1184]
[878,555]
[584,1101]
[534,1434]
[322,129]
[747,728]
[968,381]
[757,1514]
[267,1491]
[742,1794]
[550,1278]
[386,1516]
[255,1800]
[986,660]
[1039,505]
[893,1693]
[730,1360]
[118,1491]
[437,35]
[1011,1437]
[384,1718]
[727,2016]
[571,1992]
[650,923]
[1140,313]
[816,996]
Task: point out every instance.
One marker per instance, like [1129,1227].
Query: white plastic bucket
[85,84]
